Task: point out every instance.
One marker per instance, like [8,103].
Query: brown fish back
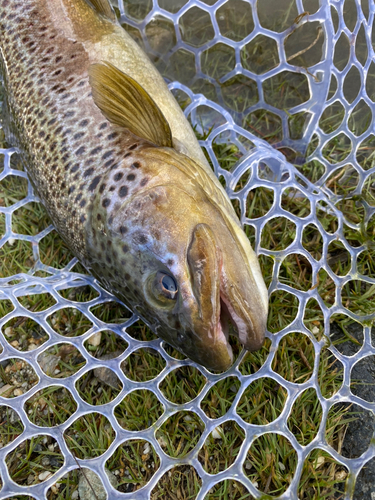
[65,142]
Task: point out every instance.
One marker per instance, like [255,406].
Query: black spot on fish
[127,276]
[170,262]
[71,189]
[111,136]
[136,164]
[110,220]
[88,172]
[109,163]
[78,197]
[127,154]
[102,245]
[94,183]
[112,188]
[103,126]
[78,135]
[123,191]
[99,217]
[83,123]
[102,188]
[97,150]
[142,239]
[125,248]
[144,181]
[123,229]
[42,133]
[106,202]
[130,177]
[69,114]
[107,154]
[133,146]
[83,203]
[75,168]
[118,176]
[80,150]
[82,218]
[108,258]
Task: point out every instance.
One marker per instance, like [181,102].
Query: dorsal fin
[125,103]
[104,8]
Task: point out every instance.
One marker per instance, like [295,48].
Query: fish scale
[123,178]
[58,146]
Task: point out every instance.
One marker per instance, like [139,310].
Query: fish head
[194,272]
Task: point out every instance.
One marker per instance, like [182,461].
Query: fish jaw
[221,301]
[205,262]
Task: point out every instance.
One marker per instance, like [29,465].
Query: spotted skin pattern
[76,159]
[127,208]
[68,149]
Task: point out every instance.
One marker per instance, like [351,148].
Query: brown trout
[123,178]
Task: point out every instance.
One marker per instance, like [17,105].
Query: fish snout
[225,294]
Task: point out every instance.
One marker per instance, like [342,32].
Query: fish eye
[169,283]
[166,285]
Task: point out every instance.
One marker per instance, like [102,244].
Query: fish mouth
[221,302]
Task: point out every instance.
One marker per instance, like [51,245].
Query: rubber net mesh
[286,89]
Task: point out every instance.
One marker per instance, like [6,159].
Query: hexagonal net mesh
[281,96]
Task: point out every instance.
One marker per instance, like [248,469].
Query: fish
[123,178]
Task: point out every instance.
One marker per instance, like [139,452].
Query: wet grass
[134,463]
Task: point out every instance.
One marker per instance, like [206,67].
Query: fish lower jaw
[241,329]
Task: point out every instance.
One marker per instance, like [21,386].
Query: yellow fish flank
[123,178]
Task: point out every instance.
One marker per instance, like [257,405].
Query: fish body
[123,178]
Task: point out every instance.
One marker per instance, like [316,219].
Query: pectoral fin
[125,103]
[103,7]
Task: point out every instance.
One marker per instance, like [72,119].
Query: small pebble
[5,388]
[147,448]
[341,475]
[15,343]
[90,481]
[74,495]
[8,331]
[217,433]
[44,475]
[18,392]
[95,339]
[55,488]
